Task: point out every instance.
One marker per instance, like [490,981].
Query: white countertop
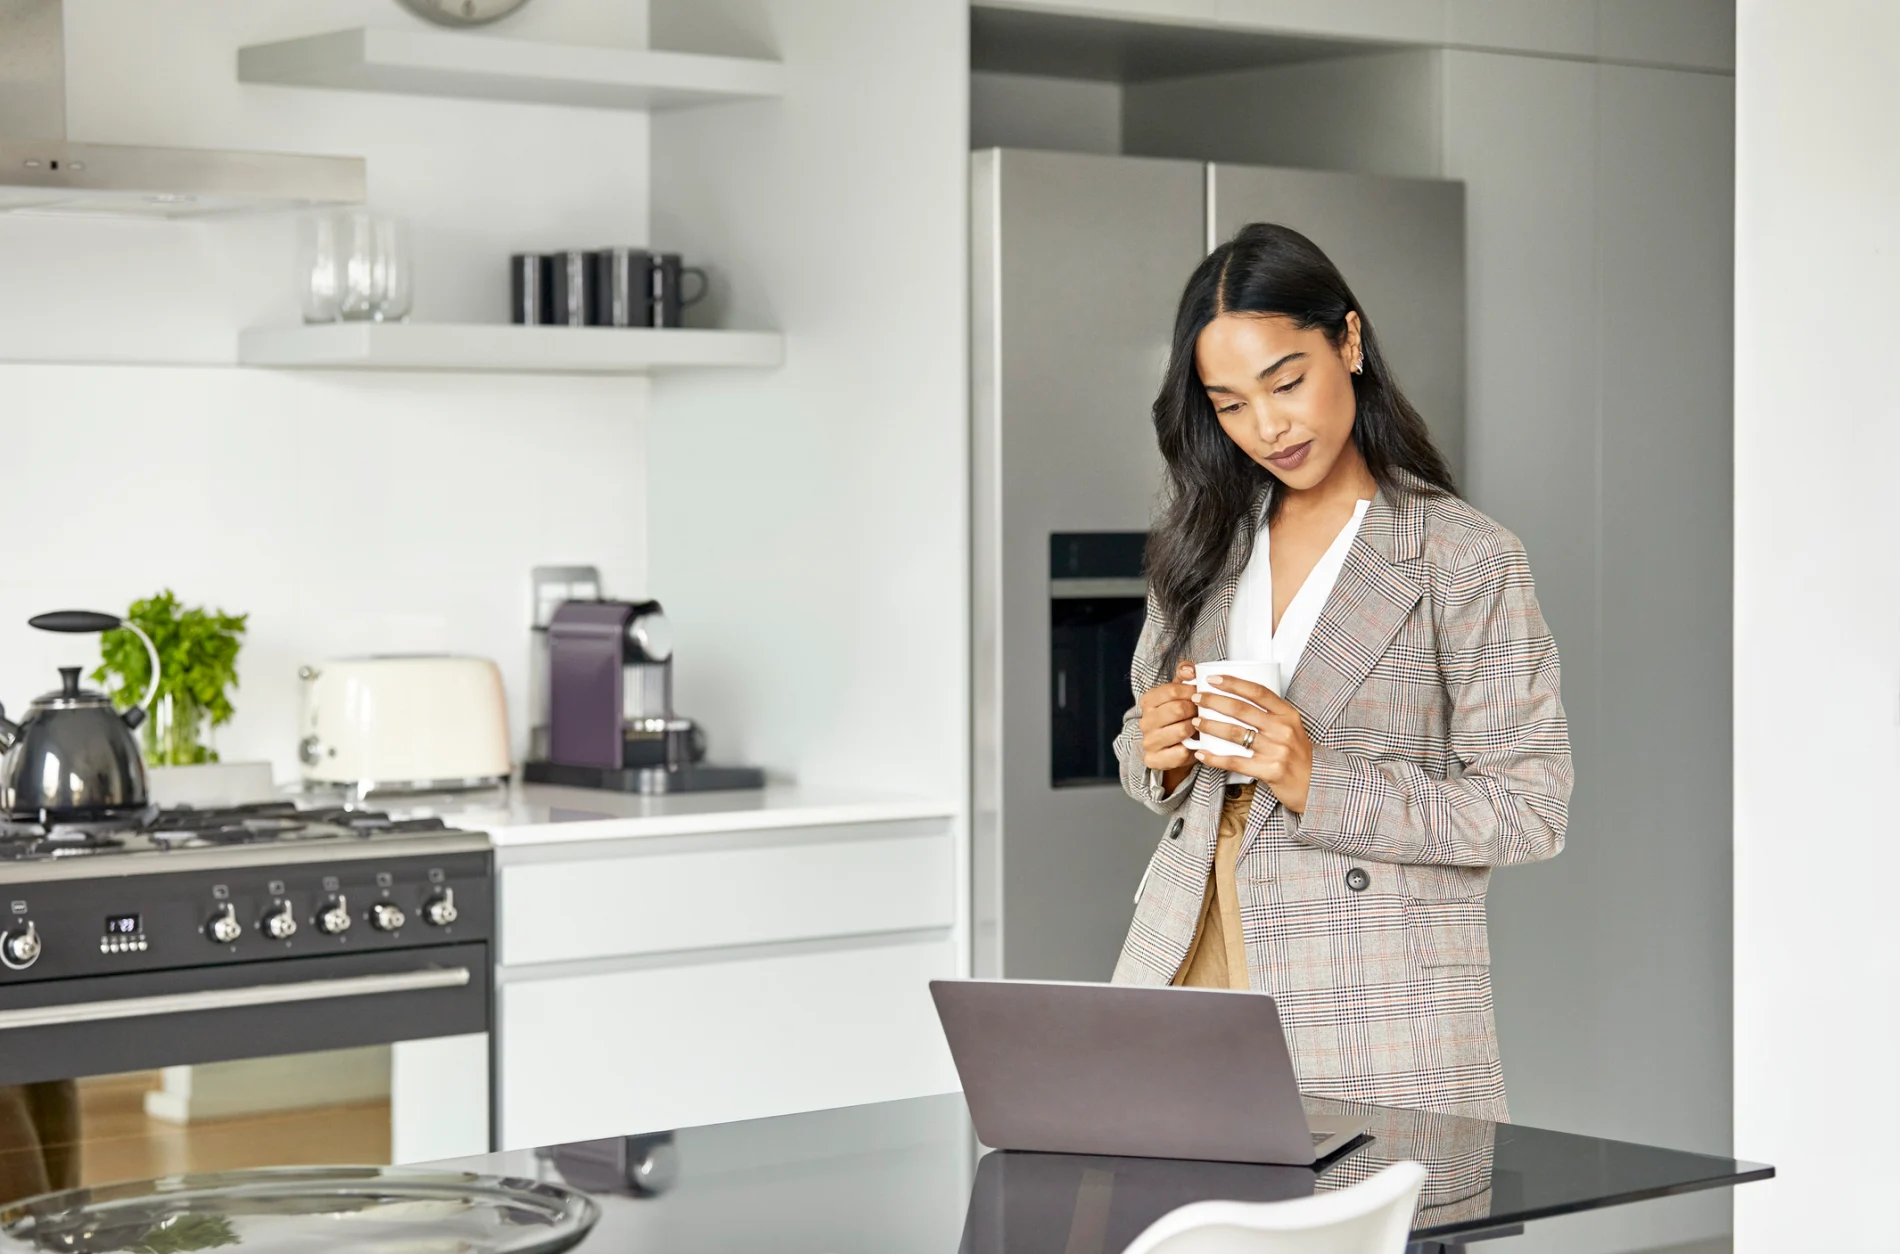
[543,814]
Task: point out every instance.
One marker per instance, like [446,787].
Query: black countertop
[909,1176]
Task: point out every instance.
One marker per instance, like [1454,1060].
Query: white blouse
[1250,632]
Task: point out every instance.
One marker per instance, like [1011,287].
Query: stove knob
[335,917]
[280,923]
[440,911]
[224,927]
[386,916]
[21,949]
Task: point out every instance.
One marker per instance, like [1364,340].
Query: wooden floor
[121,1142]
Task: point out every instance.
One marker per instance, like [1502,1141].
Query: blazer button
[1357,880]
[1174,828]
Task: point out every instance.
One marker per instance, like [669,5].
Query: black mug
[570,287]
[623,287]
[528,290]
[668,276]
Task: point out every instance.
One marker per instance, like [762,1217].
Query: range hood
[41,171]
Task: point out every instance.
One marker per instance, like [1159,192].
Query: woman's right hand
[1167,719]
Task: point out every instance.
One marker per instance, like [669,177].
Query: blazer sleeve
[1499,667]
[1143,675]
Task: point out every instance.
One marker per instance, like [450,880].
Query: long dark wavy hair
[1211,483]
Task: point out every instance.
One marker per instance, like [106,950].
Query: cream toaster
[404,723]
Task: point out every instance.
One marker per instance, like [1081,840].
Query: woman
[1340,863]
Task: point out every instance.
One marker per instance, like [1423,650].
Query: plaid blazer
[1429,688]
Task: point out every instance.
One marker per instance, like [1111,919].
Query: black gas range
[203,935]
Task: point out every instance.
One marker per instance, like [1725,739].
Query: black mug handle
[76,620]
[705,285]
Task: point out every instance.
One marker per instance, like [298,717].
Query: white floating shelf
[505,349]
[474,67]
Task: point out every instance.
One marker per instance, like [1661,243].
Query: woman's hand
[1167,718]
[1282,753]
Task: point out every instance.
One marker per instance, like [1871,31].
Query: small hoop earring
[1359,367]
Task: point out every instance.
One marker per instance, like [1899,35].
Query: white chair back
[1371,1217]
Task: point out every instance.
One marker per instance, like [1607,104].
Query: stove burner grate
[184,827]
[18,848]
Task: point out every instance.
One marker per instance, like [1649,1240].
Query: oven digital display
[122,925]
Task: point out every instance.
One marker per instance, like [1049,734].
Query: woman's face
[1284,395]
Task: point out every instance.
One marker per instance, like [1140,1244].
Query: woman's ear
[1350,349]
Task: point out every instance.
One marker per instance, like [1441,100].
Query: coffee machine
[610,717]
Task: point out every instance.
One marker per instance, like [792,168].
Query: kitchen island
[675,960]
[909,1176]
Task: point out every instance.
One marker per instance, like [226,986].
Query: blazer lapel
[1376,591]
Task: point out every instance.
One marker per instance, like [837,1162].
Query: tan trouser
[1218,956]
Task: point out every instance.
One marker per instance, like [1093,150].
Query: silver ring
[1246,740]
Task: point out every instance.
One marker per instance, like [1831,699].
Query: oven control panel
[108,924]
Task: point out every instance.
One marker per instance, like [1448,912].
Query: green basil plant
[197,658]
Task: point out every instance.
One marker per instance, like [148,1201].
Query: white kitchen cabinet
[750,888]
[739,1036]
[676,979]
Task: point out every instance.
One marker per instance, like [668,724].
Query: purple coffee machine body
[611,722]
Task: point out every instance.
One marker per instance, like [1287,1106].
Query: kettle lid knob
[69,681]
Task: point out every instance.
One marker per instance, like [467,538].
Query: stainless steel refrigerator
[1077,262]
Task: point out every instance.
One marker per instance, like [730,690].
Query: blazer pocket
[1316,932]
[1444,907]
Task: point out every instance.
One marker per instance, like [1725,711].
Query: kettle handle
[76,621]
[92,620]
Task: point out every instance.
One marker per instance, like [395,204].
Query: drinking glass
[378,280]
[319,267]
[395,263]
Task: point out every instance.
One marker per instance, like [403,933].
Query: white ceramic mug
[1266,674]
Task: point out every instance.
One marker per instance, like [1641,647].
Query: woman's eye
[1289,386]
[1233,408]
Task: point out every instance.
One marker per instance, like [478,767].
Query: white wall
[813,520]
[344,512]
[1033,111]
[1817,1000]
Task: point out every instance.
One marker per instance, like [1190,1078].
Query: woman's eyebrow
[1276,365]
[1217,387]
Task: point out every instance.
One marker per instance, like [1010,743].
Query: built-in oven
[1097,599]
[176,1010]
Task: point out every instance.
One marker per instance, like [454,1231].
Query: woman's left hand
[1282,753]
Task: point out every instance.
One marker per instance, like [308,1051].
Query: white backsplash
[345,513]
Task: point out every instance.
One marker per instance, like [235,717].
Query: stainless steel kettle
[73,757]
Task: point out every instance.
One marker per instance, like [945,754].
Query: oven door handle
[234,998]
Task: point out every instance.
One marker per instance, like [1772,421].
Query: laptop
[1139,1072]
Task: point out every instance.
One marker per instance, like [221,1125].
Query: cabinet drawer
[705,892]
[657,1048]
